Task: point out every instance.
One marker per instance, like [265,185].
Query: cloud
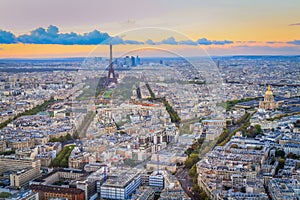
[274,42]
[249,41]
[255,50]
[170,40]
[113,40]
[205,41]
[133,42]
[51,35]
[295,42]
[150,42]
[202,41]
[7,37]
[222,42]
[295,24]
[188,42]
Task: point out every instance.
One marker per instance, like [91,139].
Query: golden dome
[269,92]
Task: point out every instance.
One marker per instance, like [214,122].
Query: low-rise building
[121,184]
[47,192]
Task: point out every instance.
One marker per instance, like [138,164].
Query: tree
[203,195]
[223,136]
[196,188]
[281,163]
[191,160]
[5,195]
[65,138]
[76,135]
[279,153]
[189,151]
[193,171]
[64,162]
[68,137]
[258,129]
[297,123]
[62,159]
[7,152]
[293,156]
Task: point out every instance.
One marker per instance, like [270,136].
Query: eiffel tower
[111,78]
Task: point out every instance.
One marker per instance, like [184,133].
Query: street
[186,182]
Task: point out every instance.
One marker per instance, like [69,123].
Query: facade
[47,192]
[152,165]
[214,122]
[174,194]
[121,185]
[144,193]
[156,180]
[292,148]
[268,103]
[62,174]
[284,189]
[68,179]
[20,144]
[25,195]
[226,169]
[2,146]
[45,158]
[23,170]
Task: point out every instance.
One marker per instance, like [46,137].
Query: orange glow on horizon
[57,51]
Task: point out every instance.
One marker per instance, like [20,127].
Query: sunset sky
[38,29]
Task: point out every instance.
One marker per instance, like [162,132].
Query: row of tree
[190,163]
[173,114]
[152,95]
[63,157]
[8,152]
[62,139]
[283,115]
[193,173]
[244,124]
[32,111]
[228,105]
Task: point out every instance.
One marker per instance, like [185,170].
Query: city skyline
[218,27]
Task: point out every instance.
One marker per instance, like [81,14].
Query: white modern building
[121,184]
[156,180]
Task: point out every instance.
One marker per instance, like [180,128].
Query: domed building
[268,103]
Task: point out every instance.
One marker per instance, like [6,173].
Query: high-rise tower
[111,78]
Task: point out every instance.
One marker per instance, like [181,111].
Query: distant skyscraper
[133,61]
[138,60]
[127,61]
